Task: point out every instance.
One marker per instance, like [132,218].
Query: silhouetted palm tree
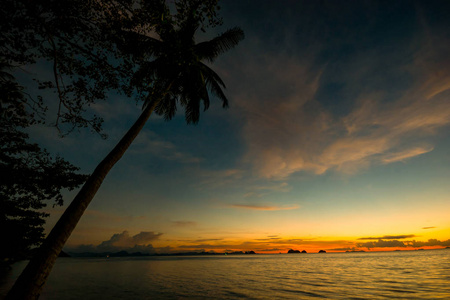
[176,75]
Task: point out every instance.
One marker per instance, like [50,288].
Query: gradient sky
[337,138]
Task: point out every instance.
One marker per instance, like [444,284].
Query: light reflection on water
[393,275]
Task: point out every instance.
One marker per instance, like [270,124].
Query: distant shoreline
[139,254]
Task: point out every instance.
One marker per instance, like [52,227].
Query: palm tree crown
[177,72]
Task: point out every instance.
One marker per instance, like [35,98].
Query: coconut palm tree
[172,71]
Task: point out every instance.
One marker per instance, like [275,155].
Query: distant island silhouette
[138,254]
[296,251]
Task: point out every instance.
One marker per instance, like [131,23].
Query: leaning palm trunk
[30,283]
[180,75]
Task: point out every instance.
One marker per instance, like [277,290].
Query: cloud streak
[184,223]
[263,207]
[409,153]
[150,143]
[389,237]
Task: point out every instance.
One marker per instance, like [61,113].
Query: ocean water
[380,275]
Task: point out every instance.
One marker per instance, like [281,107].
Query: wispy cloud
[150,143]
[219,178]
[287,128]
[115,109]
[262,190]
[389,237]
[263,207]
[184,223]
[403,155]
[279,129]
[207,240]
[429,227]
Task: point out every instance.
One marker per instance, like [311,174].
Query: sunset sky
[337,138]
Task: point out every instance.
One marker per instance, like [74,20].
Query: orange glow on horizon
[316,250]
[276,245]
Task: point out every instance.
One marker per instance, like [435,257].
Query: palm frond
[5,70]
[167,107]
[141,46]
[210,50]
[214,84]
[147,46]
[199,86]
[210,73]
[148,72]
[204,91]
[192,111]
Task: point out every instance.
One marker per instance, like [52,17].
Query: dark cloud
[122,242]
[389,237]
[396,243]
[430,242]
[208,246]
[429,227]
[382,244]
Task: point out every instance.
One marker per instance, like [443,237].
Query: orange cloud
[401,156]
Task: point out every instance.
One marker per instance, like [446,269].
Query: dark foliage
[29,177]
[83,50]
[74,44]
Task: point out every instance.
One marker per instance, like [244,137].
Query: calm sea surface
[392,275]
